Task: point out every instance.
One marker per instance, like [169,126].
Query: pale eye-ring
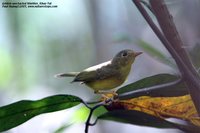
[124,54]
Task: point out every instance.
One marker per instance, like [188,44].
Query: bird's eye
[124,54]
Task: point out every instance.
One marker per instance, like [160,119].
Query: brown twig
[92,109]
[173,43]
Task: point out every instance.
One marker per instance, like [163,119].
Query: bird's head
[125,57]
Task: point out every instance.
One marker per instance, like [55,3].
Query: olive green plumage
[107,75]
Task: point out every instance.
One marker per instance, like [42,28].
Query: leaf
[143,119]
[180,107]
[136,118]
[17,113]
[155,53]
[140,87]
[165,102]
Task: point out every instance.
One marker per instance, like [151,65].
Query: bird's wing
[93,68]
[99,74]
[85,76]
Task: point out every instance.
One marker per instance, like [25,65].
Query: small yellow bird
[107,75]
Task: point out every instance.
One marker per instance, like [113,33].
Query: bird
[104,77]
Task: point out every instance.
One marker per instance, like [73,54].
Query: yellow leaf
[180,107]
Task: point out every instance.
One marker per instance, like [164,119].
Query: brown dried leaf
[180,107]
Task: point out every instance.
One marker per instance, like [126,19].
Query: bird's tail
[69,74]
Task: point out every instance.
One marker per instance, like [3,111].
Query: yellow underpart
[105,84]
[111,82]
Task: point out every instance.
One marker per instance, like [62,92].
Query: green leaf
[143,119]
[140,87]
[155,53]
[136,118]
[17,113]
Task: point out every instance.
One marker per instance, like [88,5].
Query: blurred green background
[37,43]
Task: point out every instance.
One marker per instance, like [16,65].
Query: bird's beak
[137,53]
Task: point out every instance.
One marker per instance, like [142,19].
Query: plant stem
[173,43]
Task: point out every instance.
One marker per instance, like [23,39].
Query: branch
[173,43]
[169,29]
[165,20]
[92,109]
[147,5]
[139,92]
[87,124]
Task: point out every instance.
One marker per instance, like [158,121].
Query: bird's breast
[105,84]
[111,82]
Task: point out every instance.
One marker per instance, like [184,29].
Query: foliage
[144,102]
[17,113]
[159,79]
[152,108]
[180,107]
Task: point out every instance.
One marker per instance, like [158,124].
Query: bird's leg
[105,94]
[114,93]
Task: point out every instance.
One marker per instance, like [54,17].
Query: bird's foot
[108,96]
